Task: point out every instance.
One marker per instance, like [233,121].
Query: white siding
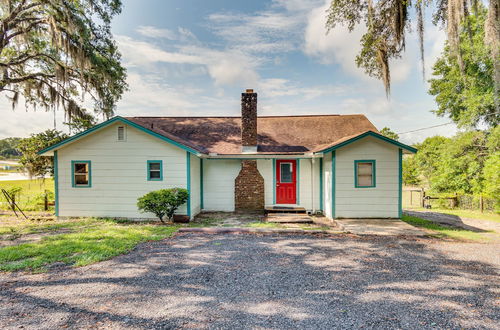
[378,202]
[218,184]
[265,167]
[308,183]
[119,173]
[195,185]
[327,184]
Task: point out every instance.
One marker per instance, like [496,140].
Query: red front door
[286,181]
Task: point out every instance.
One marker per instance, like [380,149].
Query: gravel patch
[266,281]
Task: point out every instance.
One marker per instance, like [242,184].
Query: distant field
[31,194]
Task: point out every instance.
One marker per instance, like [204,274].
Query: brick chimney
[249,121]
[249,184]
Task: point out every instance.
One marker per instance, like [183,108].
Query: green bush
[163,202]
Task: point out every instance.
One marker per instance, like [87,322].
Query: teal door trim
[333,183]
[188,171]
[400,196]
[201,183]
[321,184]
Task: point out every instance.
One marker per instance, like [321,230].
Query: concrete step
[288,218]
[285,209]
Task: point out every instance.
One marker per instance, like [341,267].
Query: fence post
[481,203]
[422,195]
[46,202]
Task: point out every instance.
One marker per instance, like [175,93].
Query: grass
[472,214]
[90,241]
[445,232]
[30,198]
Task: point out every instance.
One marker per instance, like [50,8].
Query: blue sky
[195,57]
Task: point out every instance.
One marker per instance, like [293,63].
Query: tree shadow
[242,281]
[449,220]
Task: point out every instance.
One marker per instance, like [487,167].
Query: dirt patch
[17,239]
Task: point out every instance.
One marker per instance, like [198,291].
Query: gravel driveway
[250,281]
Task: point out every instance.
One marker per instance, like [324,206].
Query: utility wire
[421,129]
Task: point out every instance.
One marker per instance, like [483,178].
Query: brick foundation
[249,187]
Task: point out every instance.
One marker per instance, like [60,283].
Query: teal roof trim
[375,135]
[111,121]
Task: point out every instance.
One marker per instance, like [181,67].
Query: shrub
[163,202]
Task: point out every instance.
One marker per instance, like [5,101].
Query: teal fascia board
[73,184]
[188,171]
[374,172]
[334,182]
[56,184]
[149,170]
[201,184]
[373,134]
[111,121]
[274,181]
[297,183]
[400,196]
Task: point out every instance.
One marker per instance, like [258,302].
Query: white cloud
[154,32]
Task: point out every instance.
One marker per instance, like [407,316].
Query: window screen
[155,170]
[121,133]
[365,174]
[81,173]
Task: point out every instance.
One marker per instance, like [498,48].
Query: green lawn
[446,232]
[492,216]
[31,195]
[88,241]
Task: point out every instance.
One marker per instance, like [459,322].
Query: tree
[492,178]
[31,162]
[55,52]
[466,96]
[428,157]
[163,202]
[388,22]
[80,124]
[8,147]
[461,163]
[387,132]
[410,171]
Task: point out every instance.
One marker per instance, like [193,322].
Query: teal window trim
[56,184]
[188,183]
[274,181]
[400,196]
[334,182]
[89,164]
[374,171]
[149,162]
[297,182]
[201,184]
[321,184]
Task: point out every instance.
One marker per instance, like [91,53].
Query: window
[364,173]
[286,172]
[155,170]
[81,173]
[121,133]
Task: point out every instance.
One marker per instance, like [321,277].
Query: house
[336,164]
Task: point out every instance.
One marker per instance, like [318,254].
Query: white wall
[327,184]
[119,173]
[378,202]
[218,184]
[195,185]
[308,183]
[265,167]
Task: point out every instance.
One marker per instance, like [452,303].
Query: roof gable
[165,137]
[350,139]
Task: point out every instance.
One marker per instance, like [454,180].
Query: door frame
[297,180]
